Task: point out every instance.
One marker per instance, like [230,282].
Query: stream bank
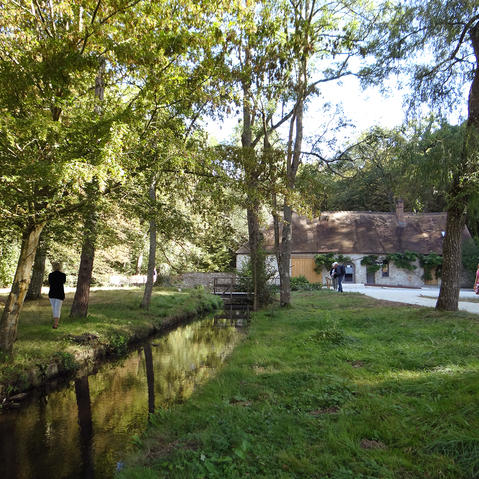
[84,427]
[113,325]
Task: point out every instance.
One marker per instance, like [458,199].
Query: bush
[266,288]
[300,283]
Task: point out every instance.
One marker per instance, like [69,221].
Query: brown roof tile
[350,232]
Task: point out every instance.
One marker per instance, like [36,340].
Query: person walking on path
[334,276]
[56,280]
[340,271]
[476,283]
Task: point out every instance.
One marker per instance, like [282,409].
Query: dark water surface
[84,429]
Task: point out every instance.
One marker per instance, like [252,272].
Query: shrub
[300,283]
[266,288]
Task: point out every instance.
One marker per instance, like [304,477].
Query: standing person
[476,283]
[56,280]
[340,274]
[334,276]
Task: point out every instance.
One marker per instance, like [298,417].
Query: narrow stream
[85,428]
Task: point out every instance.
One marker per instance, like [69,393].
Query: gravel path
[425,296]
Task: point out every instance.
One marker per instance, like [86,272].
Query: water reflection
[82,392]
[84,429]
[150,377]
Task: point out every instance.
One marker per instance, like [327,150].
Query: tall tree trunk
[79,307]
[14,304]
[284,258]
[253,206]
[81,299]
[452,259]
[293,160]
[255,257]
[145,302]
[36,283]
[460,194]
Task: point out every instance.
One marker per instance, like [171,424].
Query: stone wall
[190,280]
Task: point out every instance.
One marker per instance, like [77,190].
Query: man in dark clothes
[340,274]
[56,280]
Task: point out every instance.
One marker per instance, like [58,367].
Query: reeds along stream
[85,429]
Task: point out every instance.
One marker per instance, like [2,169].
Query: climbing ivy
[326,261]
[340,258]
[403,260]
[371,263]
[323,261]
[430,262]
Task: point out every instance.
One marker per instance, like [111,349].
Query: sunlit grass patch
[338,386]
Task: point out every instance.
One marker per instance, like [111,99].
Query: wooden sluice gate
[237,304]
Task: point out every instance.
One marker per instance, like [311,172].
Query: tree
[321,33]
[43,68]
[38,273]
[79,306]
[53,143]
[49,134]
[437,43]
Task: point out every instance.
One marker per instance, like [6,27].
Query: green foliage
[341,258]
[326,260]
[323,261]
[470,255]
[67,361]
[431,262]
[14,377]
[265,276]
[371,263]
[9,251]
[300,283]
[117,344]
[404,260]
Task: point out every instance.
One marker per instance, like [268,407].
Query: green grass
[338,387]
[114,318]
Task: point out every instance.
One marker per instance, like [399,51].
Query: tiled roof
[350,232]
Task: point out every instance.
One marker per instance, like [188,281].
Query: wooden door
[370,277]
[305,267]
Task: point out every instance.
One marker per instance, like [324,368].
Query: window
[385,269]
[349,277]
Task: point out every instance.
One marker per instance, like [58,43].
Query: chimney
[400,212]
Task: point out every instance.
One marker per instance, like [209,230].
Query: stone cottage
[357,234]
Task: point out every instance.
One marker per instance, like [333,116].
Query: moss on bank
[339,386]
[114,321]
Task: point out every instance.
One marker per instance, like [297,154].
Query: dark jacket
[56,280]
[340,270]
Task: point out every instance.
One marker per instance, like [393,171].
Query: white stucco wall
[271,262]
[397,277]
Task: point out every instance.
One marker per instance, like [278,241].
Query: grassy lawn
[339,387]
[114,317]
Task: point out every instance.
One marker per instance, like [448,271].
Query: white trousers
[56,306]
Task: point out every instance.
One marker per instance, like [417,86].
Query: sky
[363,108]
